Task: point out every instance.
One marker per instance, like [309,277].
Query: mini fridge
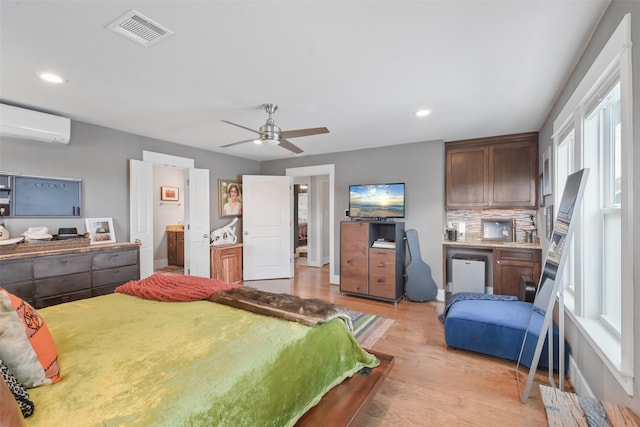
[468,273]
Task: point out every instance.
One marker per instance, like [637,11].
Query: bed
[125,360]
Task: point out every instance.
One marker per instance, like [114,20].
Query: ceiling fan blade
[236,143]
[289,146]
[243,127]
[303,132]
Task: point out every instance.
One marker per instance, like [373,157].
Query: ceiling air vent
[140,29]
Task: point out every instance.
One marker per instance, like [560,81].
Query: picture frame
[540,191]
[100,230]
[548,217]
[171,194]
[546,172]
[228,204]
[497,229]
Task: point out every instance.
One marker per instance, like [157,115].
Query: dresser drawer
[23,290]
[62,285]
[381,259]
[114,259]
[59,299]
[115,275]
[59,266]
[383,285]
[14,272]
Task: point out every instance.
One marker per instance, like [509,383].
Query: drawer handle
[64,261]
[381,264]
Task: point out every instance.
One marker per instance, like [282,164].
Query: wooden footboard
[342,405]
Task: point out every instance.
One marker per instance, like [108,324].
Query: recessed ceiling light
[423,113]
[51,78]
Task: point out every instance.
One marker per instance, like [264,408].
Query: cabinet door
[510,265]
[354,250]
[172,248]
[382,273]
[180,248]
[512,174]
[226,264]
[467,177]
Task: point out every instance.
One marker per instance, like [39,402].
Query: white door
[267,211]
[141,212]
[196,233]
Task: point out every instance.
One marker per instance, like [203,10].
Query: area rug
[369,328]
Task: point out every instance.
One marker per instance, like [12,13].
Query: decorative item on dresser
[372,259]
[226,263]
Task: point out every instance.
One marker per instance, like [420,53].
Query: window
[602,139]
[594,130]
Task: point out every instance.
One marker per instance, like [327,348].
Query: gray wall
[419,165]
[99,156]
[598,377]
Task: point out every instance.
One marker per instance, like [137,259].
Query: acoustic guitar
[419,284]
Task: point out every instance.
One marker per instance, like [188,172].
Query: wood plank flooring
[430,383]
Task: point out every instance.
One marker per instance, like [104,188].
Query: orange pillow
[36,362]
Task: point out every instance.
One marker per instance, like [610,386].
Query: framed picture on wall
[546,172]
[169,194]
[100,230]
[497,229]
[540,191]
[230,197]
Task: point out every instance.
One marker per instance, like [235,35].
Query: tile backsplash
[473,224]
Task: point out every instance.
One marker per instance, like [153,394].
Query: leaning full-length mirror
[541,331]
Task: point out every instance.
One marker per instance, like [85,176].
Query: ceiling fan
[273,135]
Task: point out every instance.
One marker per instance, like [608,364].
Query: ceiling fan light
[257,141]
[271,142]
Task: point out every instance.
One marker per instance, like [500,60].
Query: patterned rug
[369,328]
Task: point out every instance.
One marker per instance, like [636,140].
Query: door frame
[328,169]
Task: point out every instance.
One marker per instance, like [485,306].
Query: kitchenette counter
[491,244]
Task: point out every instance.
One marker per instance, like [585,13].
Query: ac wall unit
[28,124]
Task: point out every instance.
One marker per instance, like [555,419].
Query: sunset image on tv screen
[376,201]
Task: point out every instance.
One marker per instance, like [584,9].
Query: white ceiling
[360,68]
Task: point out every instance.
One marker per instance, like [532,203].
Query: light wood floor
[429,384]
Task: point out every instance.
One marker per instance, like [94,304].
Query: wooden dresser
[226,263]
[52,274]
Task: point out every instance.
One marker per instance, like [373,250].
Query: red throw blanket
[174,288]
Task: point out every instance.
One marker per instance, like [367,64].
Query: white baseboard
[577,379]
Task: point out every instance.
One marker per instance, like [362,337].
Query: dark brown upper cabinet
[494,172]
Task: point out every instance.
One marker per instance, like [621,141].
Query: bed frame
[344,403]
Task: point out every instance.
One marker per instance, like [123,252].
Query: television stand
[372,259]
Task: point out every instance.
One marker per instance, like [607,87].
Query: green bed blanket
[129,361]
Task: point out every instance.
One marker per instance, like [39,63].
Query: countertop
[175,227]
[56,247]
[489,244]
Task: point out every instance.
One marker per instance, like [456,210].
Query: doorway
[321,213]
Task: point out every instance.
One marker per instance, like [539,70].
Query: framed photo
[546,172]
[540,191]
[101,230]
[230,197]
[170,194]
[548,218]
[497,229]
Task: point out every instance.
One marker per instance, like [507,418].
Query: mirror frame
[549,283]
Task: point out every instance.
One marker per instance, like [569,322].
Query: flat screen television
[376,201]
